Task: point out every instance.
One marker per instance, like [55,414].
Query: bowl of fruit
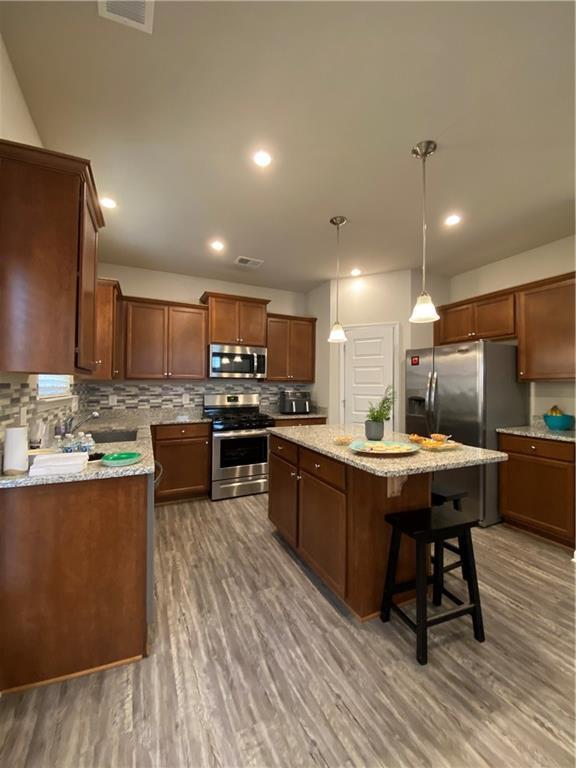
[555,418]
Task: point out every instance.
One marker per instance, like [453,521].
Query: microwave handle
[255,356]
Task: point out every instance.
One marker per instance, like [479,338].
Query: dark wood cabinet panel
[291,348]
[252,325]
[73,585]
[284,448]
[223,320]
[236,319]
[86,330]
[456,324]
[119,346]
[538,494]
[106,319]
[322,530]
[546,337]
[146,330]
[300,422]
[187,342]
[283,506]
[319,465]
[278,348]
[494,318]
[186,465]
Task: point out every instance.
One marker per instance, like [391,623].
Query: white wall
[548,260]
[168,286]
[15,121]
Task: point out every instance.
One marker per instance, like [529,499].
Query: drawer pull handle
[316,466]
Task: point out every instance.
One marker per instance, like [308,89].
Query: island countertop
[321,439]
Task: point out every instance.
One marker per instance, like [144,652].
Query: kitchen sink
[115,436]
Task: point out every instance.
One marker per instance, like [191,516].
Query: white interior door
[369,367]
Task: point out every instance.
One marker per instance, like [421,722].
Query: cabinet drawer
[285,449]
[174,431]
[546,449]
[318,465]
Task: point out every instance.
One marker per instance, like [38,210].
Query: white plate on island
[384,448]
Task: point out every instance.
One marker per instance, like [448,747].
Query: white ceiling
[338,93]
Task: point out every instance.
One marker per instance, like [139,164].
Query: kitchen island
[330,504]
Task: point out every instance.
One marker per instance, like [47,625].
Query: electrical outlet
[112,399]
[185,399]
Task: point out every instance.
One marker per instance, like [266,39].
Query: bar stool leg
[438,572]
[467,550]
[457,504]
[421,596]
[390,575]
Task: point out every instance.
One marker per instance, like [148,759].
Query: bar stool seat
[427,526]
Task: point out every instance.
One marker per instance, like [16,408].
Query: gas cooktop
[235,421]
[235,412]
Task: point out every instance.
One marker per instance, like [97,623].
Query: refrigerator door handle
[427,395]
[432,399]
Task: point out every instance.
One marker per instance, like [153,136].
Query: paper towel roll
[16,451]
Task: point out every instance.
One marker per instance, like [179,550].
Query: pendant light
[337,335]
[424,310]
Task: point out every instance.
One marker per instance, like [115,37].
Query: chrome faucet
[71,427]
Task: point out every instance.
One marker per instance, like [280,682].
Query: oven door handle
[241,433]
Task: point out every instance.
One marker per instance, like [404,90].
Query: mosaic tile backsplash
[127,395]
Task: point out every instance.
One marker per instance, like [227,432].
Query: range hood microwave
[228,361]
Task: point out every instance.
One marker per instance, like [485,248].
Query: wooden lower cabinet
[283,495]
[537,487]
[334,516]
[185,460]
[72,578]
[322,530]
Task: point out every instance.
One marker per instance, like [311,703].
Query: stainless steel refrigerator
[467,390]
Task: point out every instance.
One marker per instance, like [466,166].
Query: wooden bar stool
[427,526]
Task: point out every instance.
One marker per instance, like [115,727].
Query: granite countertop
[144,417]
[95,470]
[321,439]
[537,431]
[277,416]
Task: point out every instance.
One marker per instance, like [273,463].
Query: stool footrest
[404,616]
[440,618]
[452,547]
[450,567]
[452,596]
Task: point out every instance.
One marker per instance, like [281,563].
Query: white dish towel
[59,464]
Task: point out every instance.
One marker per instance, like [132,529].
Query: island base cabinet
[72,578]
[283,496]
[322,530]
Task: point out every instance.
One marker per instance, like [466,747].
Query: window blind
[54,385]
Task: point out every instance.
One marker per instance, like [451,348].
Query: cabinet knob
[165,373]
[532,447]
[169,373]
[298,477]
[316,466]
[521,373]
[280,447]
[207,442]
[292,474]
[116,372]
[183,431]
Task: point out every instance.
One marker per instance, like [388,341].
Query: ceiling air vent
[137,14]
[243,261]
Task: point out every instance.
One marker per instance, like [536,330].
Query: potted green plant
[378,414]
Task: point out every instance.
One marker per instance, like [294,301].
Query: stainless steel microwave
[227,361]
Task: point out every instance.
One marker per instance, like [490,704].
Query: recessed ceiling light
[262,158]
[355,272]
[107,202]
[453,219]
[217,245]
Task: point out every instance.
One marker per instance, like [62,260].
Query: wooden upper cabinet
[291,348]
[236,319]
[106,318]
[119,347]
[455,324]
[494,317]
[546,331]
[49,217]
[146,330]
[278,348]
[165,340]
[187,342]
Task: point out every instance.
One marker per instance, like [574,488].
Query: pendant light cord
[337,272]
[423,225]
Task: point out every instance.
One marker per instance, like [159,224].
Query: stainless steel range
[239,445]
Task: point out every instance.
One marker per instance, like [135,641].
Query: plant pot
[374,430]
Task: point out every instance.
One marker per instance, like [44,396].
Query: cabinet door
[187,343]
[283,498]
[546,331]
[278,348]
[105,315]
[119,350]
[252,323]
[146,334]
[322,530]
[86,327]
[538,494]
[494,317]
[186,465]
[456,324]
[302,350]
[223,320]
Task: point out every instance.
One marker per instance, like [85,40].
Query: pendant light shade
[424,310]
[337,335]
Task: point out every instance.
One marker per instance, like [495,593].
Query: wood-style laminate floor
[254,665]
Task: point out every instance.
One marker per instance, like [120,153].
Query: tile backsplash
[19,403]
[131,395]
